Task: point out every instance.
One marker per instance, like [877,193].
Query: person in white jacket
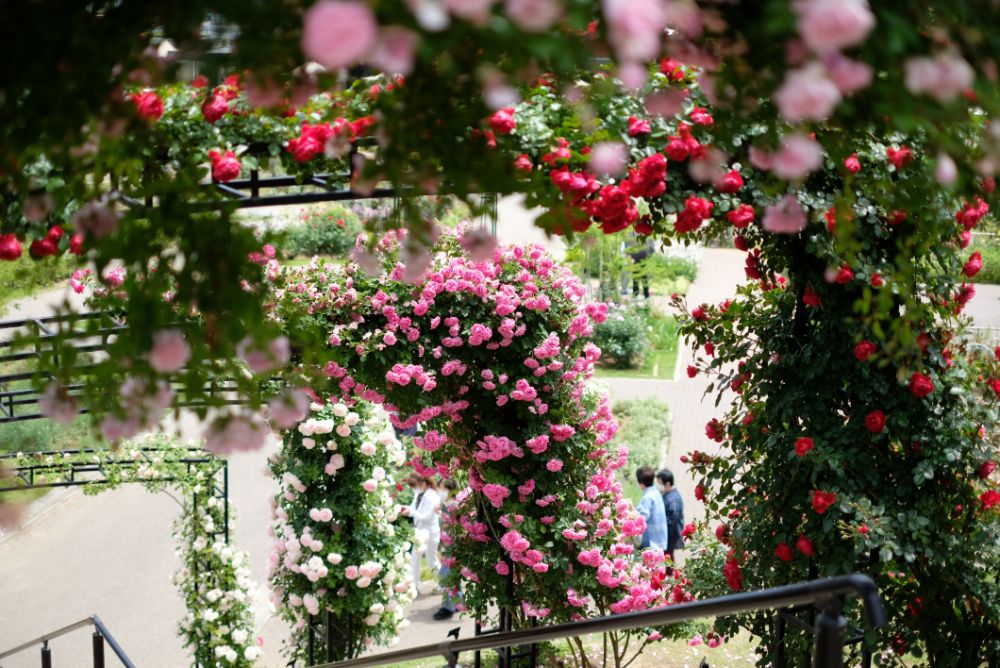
[424,510]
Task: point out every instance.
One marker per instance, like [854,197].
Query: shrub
[26,276]
[644,426]
[989,246]
[41,435]
[331,231]
[623,337]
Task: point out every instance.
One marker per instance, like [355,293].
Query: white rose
[352,419]
[343,430]
[334,558]
[240,636]
[372,620]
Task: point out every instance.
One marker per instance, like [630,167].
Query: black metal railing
[827,595]
[100,637]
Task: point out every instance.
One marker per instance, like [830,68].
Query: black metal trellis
[48,471]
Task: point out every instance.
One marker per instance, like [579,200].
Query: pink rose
[95,219]
[635,27]
[533,15]
[233,433]
[554,465]
[57,404]
[849,75]
[338,33]
[289,408]
[395,51]
[806,94]
[943,77]
[262,360]
[474,11]
[785,217]
[798,156]
[170,351]
[37,207]
[831,25]
[608,157]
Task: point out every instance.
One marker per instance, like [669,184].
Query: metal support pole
[225,498]
[46,655]
[98,650]
[779,640]
[831,626]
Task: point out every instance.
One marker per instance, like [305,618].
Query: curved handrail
[814,592]
[94,621]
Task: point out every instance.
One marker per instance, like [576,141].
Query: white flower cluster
[327,552]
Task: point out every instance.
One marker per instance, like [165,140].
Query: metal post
[98,650]
[225,498]
[831,626]
[779,640]
[46,655]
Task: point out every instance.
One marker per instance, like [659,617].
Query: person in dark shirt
[673,506]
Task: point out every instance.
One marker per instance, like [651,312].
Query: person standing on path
[651,509]
[426,524]
[673,506]
[449,600]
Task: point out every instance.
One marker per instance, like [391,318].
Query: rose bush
[490,356]
[339,551]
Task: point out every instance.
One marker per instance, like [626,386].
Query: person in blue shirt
[673,506]
[651,509]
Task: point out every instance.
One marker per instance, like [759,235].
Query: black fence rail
[827,596]
[101,637]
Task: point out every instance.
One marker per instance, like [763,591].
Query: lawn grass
[25,277]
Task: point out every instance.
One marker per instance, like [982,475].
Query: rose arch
[490,355]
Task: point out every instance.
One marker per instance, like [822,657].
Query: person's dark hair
[450,484]
[430,481]
[665,477]
[645,476]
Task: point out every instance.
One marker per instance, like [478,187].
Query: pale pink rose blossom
[264,94]
[338,33]
[95,219]
[831,25]
[38,207]
[786,216]
[234,433]
[807,94]
[797,157]
[848,75]
[479,244]
[666,102]
[608,157]
[431,15]
[685,17]
[533,15]
[289,408]
[11,514]
[635,27]
[370,263]
[761,159]
[943,77]
[57,404]
[170,351]
[946,171]
[395,51]
[262,360]
[416,259]
[633,75]
[474,11]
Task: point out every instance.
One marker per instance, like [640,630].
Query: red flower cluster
[844,275]
[730,182]
[215,107]
[852,164]
[10,248]
[805,546]
[973,265]
[648,178]
[732,572]
[921,385]
[803,445]
[683,145]
[148,105]
[970,214]
[821,501]
[875,421]
[696,211]
[864,350]
[502,121]
[614,208]
[715,430]
[700,116]
[989,499]
[48,246]
[899,156]
[783,551]
[741,216]
[638,126]
[225,167]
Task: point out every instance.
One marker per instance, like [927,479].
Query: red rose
[964,238]
[502,121]
[637,126]
[10,248]
[710,349]
[41,248]
[921,385]
[852,164]
[722,534]
[875,421]
[803,445]
[995,383]
[965,293]
[200,81]
[698,312]
[996,352]
[214,108]
[821,501]
[76,244]
[970,214]
[700,116]
[877,280]
[714,430]
[810,298]
[783,551]
[741,243]
[148,105]
[741,216]
[900,156]
[224,167]
[863,529]
[692,371]
[986,469]
[844,275]
[688,530]
[989,499]
[696,210]
[973,265]
[896,217]
[864,350]
[731,182]
[672,69]
[699,493]
[643,226]
[805,546]
[677,149]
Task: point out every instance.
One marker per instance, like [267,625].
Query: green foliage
[41,435]
[989,246]
[644,428]
[624,337]
[331,231]
[26,276]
